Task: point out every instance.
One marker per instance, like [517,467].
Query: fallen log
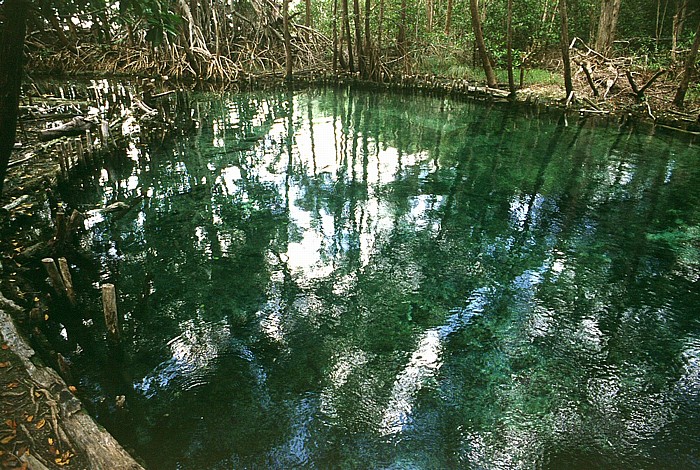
[100,449]
[75,127]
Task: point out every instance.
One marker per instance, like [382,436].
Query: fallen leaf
[5,346]
[13,385]
[50,441]
[11,423]
[8,439]
[40,424]
[5,364]
[72,388]
[30,418]
[46,317]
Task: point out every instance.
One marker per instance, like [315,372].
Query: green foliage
[159,19]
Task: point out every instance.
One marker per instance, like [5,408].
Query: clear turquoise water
[344,279]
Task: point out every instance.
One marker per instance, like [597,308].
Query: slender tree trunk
[287,40]
[50,15]
[568,84]
[357,20]
[678,22]
[348,35]
[380,36]
[308,20]
[660,20]
[481,45]
[370,64]
[509,46]
[11,58]
[609,12]
[448,16]
[688,70]
[401,40]
[335,35]
[429,14]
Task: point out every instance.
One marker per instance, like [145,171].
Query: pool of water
[345,279]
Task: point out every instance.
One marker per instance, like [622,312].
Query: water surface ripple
[341,279]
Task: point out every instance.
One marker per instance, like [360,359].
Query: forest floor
[30,424]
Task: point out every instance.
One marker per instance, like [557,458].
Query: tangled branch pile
[207,40]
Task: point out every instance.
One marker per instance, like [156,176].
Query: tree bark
[568,84]
[348,35]
[287,41]
[358,37]
[678,23]
[401,40]
[308,20]
[481,45]
[429,15]
[609,13]
[687,71]
[448,16]
[11,58]
[370,62]
[509,47]
[335,35]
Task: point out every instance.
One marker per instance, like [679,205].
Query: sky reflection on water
[344,279]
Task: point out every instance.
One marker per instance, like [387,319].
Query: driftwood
[75,127]
[16,203]
[101,450]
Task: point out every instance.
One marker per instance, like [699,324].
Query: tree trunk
[380,34]
[448,16]
[370,62]
[481,45]
[509,47]
[678,23]
[688,71]
[287,41]
[401,40]
[568,84]
[335,35]
[348,35]
[429,14]
[308,21]
[609,12]
[11,58]
[358,37]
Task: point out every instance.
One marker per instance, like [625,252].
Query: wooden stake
[67,280]
[54,276]
[88,137]
[109,305]
[71,153]
[81,151]
[104,132]
[62,160]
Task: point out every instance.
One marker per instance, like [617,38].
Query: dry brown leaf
[30,418]
[8,439]
[72,388]
[11,423]
[40,424]
[5,346]
[5,364]
[13,385]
